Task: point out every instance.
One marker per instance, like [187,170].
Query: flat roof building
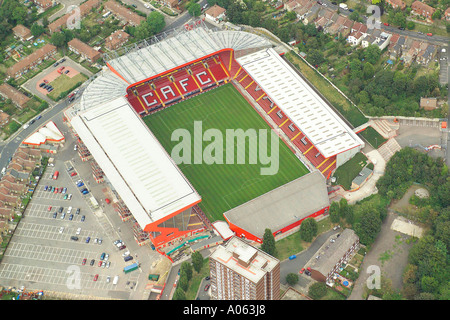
[240,271]
[301,104]
[280,209]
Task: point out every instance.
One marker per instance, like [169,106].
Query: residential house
[84,8]
[170,3]
[291,5]
[396,4]
[3,227]
[422,9]
[345,30]
[311,14]
[447,14]
[43,4]
[17,97]
[22,32]
[124,14]
[384,40]
[6,212]
[31,61]
[215,13]
[426,53]
[4,119]
[13,186]
[368,40]
[116,40]
[355,38]
[428,103]
[333,254]
[85,51]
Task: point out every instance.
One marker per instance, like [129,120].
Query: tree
[156,22]
[354,16]
[268,244]
[183,282]
[291,15]
[179,294]
[368,227]
[334,212]
[186,268]
[19,15]
[58,39]
[368,71]
[292,279]
[197,261]
[410,25]
[308,229]
[317,290]
[37,30]
[316,57]
[194,9]
[372,53]
[436,15]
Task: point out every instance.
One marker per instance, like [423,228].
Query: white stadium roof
[300,103]
[146,59]
[144,175]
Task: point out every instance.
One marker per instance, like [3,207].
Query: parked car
[83,218]
[62,60]
[78,230]
[122,247]
[78,211]
[80,183]
[96,277]
[85,191]
[61,230]
[65,196]
[66,72]
[41,85]
[71,217]
[74,238]
[92,262]
[61,209]
[69,197]
[63,216]
[108,264]
[73,174]
[401,28]
[207,287]
[56,64]
[429,34]
[302,270]
[386,24]
[45,81]
[83,262]
[45,188]
[50,90]
[64,190]
[88,239]
[49,208]
[100,263]
[55,214]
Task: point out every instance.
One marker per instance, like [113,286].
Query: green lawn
[224,186]
[373,137]
[65,84]
[349,170]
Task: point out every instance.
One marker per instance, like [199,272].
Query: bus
[56,175]
[131,267]
[154,277]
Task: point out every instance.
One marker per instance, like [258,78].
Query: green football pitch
[223,186]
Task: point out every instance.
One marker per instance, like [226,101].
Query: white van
[116,280]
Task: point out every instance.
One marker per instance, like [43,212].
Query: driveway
[49,74]
[390,253]
[294,266]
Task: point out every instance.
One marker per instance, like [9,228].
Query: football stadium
[223,79]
